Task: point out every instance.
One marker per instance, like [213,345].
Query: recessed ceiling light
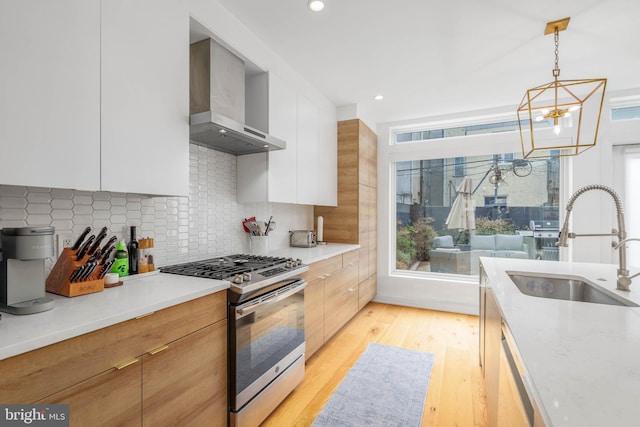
[315,5]
[378,97]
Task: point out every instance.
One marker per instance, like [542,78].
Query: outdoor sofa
[446,257]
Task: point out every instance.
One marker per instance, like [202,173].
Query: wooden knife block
[58,280]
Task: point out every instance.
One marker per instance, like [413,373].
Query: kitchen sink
[566,288]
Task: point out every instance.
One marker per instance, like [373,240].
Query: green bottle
[121,264]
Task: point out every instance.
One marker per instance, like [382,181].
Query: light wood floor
[456,392]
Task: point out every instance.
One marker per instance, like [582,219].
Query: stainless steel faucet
[624,281]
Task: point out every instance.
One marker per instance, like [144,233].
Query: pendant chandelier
[560,118]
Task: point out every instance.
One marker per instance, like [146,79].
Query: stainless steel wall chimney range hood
[217,107]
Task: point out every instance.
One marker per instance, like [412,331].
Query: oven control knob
[289,264]
[237,279]
[246,277]
[298,261]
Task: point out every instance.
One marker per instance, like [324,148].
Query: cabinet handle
[351,290]
[158,349]
[125,364]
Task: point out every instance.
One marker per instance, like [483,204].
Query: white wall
[594,212]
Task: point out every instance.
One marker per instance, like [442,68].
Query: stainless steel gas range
[266,340]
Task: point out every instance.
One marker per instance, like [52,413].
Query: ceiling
[432,58]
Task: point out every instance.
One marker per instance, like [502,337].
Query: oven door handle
[266,299]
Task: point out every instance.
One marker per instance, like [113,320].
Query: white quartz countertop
[311,255]
[583,359]
[75,316]
[140,295]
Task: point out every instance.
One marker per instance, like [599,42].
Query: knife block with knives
[59,281]
[80,269]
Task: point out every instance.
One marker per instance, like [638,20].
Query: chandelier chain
[556,41]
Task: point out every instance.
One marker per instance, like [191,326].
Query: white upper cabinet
[94,95]
[145,96]
[50,93]
[327,158]
[306,171]
[307,152]
[283,124]
[272,177]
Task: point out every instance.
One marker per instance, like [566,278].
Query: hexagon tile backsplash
[204,225]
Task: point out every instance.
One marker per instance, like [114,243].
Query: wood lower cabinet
[492,348]
[110,398]
[314,301]
[511,412]
[314,317]
[331,298]
[366,291]
[340,299]
[195,392]
[165,368]
[508,400]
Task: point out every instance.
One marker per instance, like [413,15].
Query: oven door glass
[269,336]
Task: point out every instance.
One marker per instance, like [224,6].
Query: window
[495,200]
[458,166]
[402,137]
[509,195]
[625,113]
[625,108]
[626,163]
[419,136]
[504,159]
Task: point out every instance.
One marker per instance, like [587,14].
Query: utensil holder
[58,280]
[259,245]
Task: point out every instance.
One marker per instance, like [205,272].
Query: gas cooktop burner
[246,272]
[223,267]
